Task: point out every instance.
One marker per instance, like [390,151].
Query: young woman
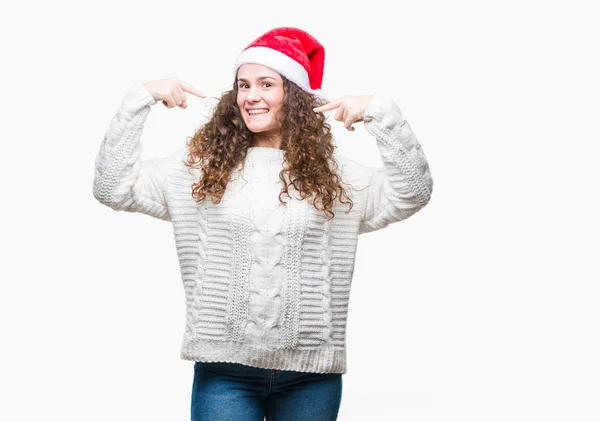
[266,217]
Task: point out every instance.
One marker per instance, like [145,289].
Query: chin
[255,128]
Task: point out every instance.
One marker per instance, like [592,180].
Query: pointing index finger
[330,106]
[188,88]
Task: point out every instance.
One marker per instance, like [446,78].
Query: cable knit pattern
[265,284]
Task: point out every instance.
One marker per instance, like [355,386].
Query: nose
[252,95]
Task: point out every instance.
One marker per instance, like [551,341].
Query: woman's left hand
[350,109]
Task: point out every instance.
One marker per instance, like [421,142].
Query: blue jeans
[237,392]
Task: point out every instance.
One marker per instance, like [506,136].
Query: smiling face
[260,97]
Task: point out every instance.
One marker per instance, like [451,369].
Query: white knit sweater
[266,285]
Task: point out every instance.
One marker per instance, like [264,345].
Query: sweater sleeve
[404,184]
[122,180]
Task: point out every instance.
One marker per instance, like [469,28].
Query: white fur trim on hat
[279,62]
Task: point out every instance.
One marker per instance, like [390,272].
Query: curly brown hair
[223,141]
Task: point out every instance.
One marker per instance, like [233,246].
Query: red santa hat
[292,53]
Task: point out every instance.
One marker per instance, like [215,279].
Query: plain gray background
[483,306]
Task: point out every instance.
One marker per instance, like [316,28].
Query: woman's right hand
[171,91]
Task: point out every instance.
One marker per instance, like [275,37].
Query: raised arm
[404,184]
[122,180]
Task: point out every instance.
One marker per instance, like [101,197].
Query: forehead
[250,71]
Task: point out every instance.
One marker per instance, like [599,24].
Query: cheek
[240,101]
[277,102]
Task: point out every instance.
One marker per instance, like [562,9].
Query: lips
[257,111]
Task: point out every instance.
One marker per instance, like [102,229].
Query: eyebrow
[258,78]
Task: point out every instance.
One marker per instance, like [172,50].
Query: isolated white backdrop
[482,306]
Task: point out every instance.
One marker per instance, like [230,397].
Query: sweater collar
[265,154]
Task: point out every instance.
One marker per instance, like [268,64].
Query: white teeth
[261,111]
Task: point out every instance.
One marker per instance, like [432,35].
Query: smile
[258,111]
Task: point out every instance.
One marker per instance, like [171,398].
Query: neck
[267,139]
